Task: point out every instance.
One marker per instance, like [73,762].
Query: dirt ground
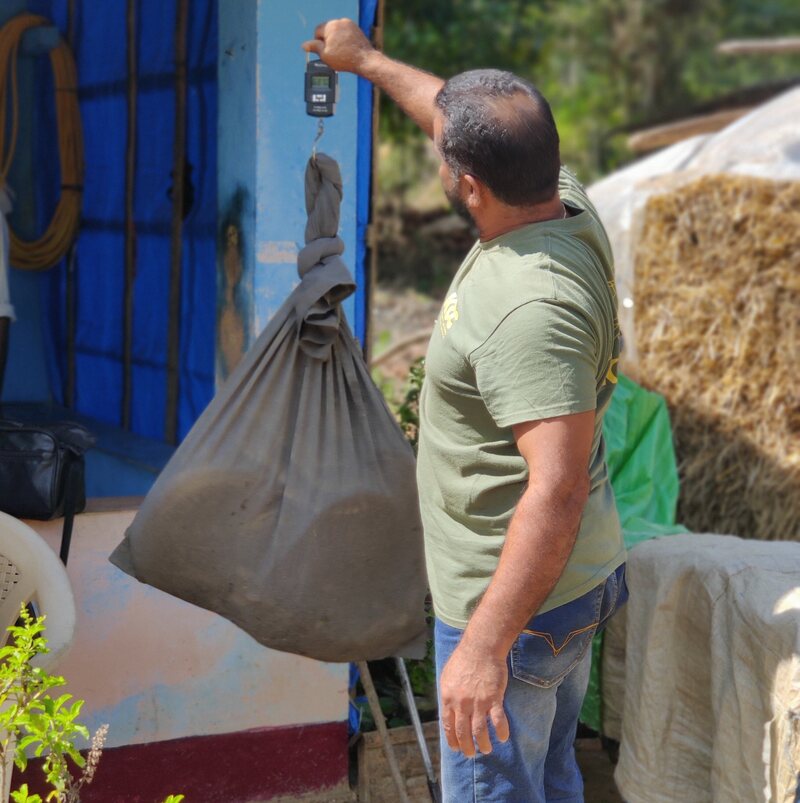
[400,315]
[598,772]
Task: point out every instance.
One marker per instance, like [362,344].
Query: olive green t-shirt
[528,331]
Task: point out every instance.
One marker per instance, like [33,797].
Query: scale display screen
[321,89]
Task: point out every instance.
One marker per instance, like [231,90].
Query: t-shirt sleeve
[538,363]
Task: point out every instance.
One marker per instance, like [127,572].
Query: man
[523,544]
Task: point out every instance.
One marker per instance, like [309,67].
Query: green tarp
[641,463]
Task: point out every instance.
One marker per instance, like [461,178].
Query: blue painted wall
[264,142]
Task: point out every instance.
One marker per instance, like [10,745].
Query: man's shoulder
[504,279]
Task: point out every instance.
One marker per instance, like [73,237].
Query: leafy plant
[408,409]
[32,720]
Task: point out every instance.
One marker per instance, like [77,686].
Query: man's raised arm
[343,47]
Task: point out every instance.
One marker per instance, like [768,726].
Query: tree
[605,65]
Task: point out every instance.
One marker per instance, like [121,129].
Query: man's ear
[474,191]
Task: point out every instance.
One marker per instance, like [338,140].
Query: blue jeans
[548,673]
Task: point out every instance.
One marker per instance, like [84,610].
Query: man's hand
[472,689]
[341,45]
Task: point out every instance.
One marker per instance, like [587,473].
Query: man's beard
[459,207]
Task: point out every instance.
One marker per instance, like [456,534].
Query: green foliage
[408,409]
[447,38]
[605,65]
[22,796]
[30,719]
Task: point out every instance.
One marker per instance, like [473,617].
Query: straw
[718,331]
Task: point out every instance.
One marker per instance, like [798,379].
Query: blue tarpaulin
[100,52]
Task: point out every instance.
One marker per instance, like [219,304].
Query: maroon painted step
[237,767]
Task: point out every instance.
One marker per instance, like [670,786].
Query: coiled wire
[47,250]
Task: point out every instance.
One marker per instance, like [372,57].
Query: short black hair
[499,128]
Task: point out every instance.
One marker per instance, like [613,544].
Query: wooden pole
[372,240]
[130,223]
[760,47]
[179,152]
[668,134]
[380,722]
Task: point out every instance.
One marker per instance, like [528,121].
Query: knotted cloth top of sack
[291,506]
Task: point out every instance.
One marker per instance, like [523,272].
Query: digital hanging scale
[322,89]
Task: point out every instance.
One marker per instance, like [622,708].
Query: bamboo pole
[668,134]
[179,152]
[380,723]
[760,47]
[372,241]
[130,223]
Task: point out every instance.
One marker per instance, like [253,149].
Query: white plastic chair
[31,572]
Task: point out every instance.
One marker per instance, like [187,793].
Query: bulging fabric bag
[291,506]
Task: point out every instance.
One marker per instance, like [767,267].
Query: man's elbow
[567,494]
[576,492]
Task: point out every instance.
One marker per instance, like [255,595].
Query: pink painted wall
[154,667]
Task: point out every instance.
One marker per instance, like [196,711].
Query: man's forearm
[342,46]
[540,539]
[411,89]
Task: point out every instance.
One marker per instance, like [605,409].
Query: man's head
[498,129]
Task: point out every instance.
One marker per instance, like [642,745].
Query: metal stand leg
[433,784]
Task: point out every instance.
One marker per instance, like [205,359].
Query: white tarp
[712,697]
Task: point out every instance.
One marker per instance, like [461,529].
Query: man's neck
[501,219]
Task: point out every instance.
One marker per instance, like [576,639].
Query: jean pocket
[554,643]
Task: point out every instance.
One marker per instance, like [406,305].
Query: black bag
[42,472]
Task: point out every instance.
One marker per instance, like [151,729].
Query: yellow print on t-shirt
[449,314]
[612,375]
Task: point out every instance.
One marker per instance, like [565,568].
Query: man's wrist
[369,65]
[486,642]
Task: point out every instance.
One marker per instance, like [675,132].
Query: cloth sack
[291,506]
[712,671]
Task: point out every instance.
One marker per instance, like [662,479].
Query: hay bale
[718,332]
